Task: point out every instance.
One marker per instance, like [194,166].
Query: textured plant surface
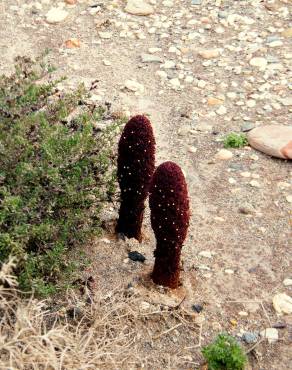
[224,354]
[136,161]
[55,173]
[170,215]
[234,140]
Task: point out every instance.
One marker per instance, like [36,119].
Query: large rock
[274,140]
[138,7]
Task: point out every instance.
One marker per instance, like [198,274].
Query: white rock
[161,74]
[175,83]
[286,101]
[221,110]
[271,334]
[287,282]
[289,198]
[168,64]
[105,35]
[134,86]
[229,271]
[56,15]
[255,184]
[282,303]
[106,62]
[138,7]
[224,154]
[259,62]
[274,140]
[206,254]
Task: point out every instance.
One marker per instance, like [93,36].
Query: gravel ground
[200,69]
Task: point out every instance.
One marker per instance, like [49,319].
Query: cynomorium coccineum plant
[170,214]
[136,164]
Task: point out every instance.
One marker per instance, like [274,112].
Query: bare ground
[256,246]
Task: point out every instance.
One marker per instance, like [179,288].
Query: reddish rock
[274,140]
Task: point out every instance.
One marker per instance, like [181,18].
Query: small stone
[174,83]
[287,282]
[105,35]
[282,303]
[196,2]
[246,209]
[229,271]
[247,126]
[72,43]
[280,325]
[149,58]
[243,313]
[144,306]
[221,111]
[71,2]
[197,308]
[56,15]
[255,184]
[287,101]
[209,54]
[259,62]
[206,254]
[161,74]
[245,174]
[169,64]
[134,86]
[250,337]
[233,322]
[271,334]
[289,198]
[138,7]
[274,140]
[224,154]
[287,33]
[107,62]
[192,149]
[214,101]
[136,256]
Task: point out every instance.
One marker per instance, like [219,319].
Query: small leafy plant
[224,354]
[234,140]
[56,171]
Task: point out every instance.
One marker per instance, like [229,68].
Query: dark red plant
[170,214]
[136,164]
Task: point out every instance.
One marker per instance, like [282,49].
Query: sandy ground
[256,247]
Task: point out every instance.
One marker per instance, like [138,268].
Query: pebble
[287,282]
[271,334]
[134,86]
[175,83]
[287,32]
[149,58]
[282,303]
[209,54]
[192,149]
[229,271]
[259,62]
[255,184]
[168,64]
[221,111]
[161,74]
[136,256]
[105,35]
[56,15]
[206,254]
[197,308]
[214,101]
[289,198]
[138,7]
[250,337]
[224,154]
[247,126]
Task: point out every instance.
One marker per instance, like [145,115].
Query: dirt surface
[240,208]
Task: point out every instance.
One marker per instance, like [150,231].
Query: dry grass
[113,331]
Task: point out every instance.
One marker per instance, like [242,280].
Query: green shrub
[224,354]
[234,140]
[55,173]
